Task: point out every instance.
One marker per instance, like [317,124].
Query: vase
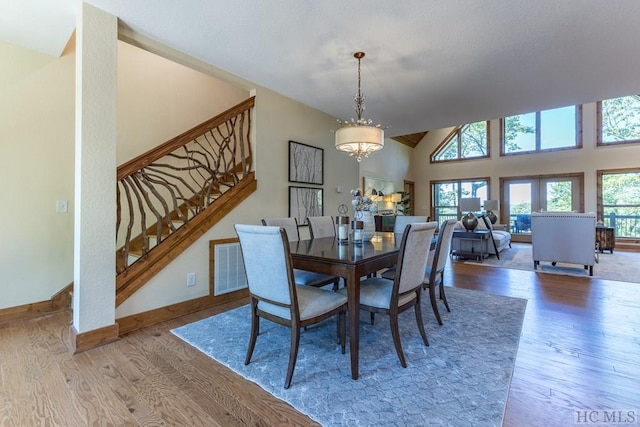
[369,223]
[469,221]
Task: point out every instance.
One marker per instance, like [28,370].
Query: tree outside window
[447,194]
[465,142]
[554,129]
[619,120]
[619,202]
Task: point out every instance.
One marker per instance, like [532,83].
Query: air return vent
[228,267]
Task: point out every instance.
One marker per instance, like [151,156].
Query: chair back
[403,220]
[290,225]
[414,252]
[321,226]
[267,263]
[443,247]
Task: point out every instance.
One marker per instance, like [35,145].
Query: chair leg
[293,354]
[434,303]
[443,297]
[255,330]
[373,317]
[418,310]
[336,284]
[395,332]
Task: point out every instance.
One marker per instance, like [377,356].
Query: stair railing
[162,189]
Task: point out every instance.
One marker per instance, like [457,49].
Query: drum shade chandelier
[358,137]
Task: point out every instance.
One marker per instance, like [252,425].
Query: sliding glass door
[524,195]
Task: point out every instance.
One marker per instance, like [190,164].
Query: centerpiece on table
[364,208]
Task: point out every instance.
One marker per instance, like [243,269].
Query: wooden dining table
[350,261]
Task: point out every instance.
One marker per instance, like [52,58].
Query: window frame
[577,146]
[456,133]
[458,181]
[599,194]
[599,141]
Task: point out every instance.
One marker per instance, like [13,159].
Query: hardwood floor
[580,350]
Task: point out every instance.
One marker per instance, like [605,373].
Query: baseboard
[80,342]
[152,317]
[60,301]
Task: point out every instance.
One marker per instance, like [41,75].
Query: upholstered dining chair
[321,226]
[403,220]
[302,277]
[434,274]
[274,296]
[391,297]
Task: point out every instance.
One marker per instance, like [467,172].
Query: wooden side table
[605,238]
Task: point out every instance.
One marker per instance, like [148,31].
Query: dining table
[350,261]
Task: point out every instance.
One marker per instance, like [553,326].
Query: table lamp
[469,205]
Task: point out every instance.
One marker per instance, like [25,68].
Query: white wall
[588,160]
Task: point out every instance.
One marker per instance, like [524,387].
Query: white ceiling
[429,64]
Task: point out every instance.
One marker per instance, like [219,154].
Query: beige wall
[37,134]
[36,168]
[588,160]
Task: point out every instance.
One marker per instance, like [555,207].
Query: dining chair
[302,277]
[321,226]
[274,295]
[434,274]
[403,220]
[392,297]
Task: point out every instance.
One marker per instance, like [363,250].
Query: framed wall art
[305,202]
[306,163]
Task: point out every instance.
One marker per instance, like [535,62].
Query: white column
[95,169]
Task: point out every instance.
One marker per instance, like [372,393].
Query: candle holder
[342,229]
[358,232]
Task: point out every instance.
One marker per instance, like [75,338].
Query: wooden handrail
[162,191]
[162,150]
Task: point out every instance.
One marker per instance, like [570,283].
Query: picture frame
[305,202]
[306,163]
[370,183]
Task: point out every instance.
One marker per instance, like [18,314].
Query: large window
[523,195]
[465,142]
[619,120]
[447,194]
[619,201]
[555,129]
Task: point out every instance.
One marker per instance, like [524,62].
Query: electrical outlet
[191,279]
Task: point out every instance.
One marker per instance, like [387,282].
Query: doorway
[541,193]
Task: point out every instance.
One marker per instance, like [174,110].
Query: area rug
[619,265]
[461,379]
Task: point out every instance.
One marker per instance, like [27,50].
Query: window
[446,195]
[619,120]
[619,201]
[465,142]
[560,128]
[523,195]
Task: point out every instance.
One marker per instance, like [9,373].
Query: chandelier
[358,137]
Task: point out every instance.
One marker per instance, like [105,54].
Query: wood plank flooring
[580,350]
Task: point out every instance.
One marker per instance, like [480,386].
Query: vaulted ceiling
[429,64]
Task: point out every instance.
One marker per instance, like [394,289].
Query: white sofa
[563,237]
[501,240]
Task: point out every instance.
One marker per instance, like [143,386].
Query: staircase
[170,196]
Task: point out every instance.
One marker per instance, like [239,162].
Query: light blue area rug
[461,379]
